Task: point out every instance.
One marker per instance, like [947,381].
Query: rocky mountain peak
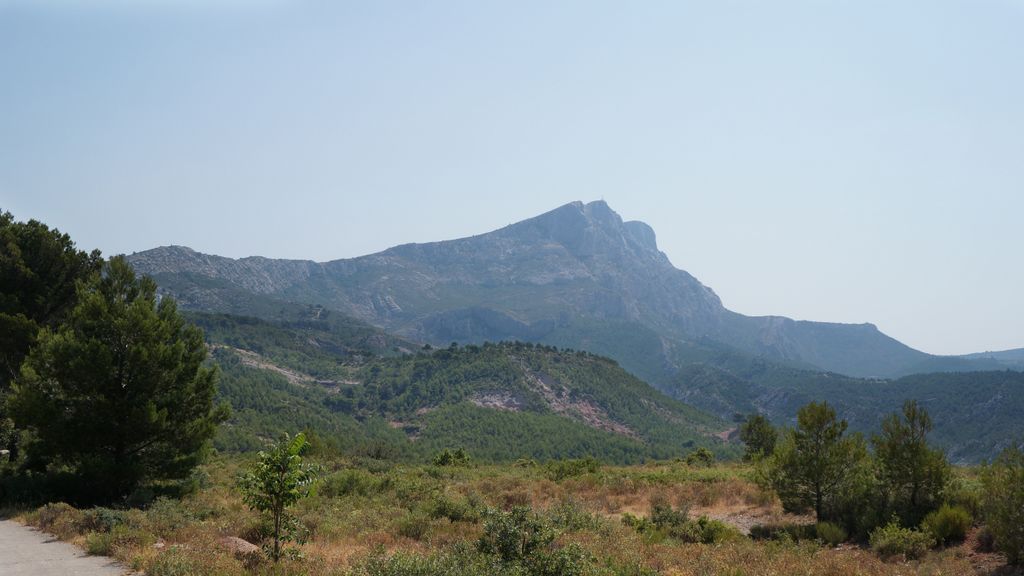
[589,229]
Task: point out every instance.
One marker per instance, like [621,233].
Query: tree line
[891,486]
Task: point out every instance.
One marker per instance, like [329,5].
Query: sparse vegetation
[1003,503]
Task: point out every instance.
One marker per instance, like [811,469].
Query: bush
[561,469]
[516,534]
[947,524]
[708,531]
[413,526]
[60,519]
[674,523]
[102,519]
[454,510]
[98,543]
[986,541]
[446,457]
[663,516]
[570,515]
[1003,503]
[175,562]
[894,540]
[700,457]
[784,532]
[352,482]
[167,515]
[831,534]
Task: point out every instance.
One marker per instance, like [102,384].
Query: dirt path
[28,552]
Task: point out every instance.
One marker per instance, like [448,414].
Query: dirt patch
[560,400]
[498,401]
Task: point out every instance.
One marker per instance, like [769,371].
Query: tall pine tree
[118,394]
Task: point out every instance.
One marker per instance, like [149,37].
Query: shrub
[446,457]
[894,540]
[561,469]
[413,526]
[166,516]
[708,531]
[664,516]
[60,519]
[570,515]
[986,542]
[99,543]
[947,524]
[831,534]
[514,535]
[102,519]
[175,562]
[965,493]
[1003,503]
[568,561]
[700,457]
[354,482]
[784,531]
[454,510]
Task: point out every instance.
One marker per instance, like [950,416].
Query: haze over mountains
[580,277]
[578,268]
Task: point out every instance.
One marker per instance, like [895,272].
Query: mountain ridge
[576,262]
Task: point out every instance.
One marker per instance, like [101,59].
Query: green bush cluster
[561,469]
[948,524]
[1003,503]
[830,533]
[895,540]
[455,509]
[700,457]
[668,522]
[448,457]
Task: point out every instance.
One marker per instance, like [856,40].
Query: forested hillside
[499,401]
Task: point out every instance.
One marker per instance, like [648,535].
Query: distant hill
[1012,359]
[499,401]
[574,275]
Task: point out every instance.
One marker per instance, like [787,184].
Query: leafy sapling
[277,480]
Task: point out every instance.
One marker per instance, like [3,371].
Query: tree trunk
[277,536]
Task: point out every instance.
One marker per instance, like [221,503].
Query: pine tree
[759,436]
[118,394]
[813,462]
[912,474]
[39,270]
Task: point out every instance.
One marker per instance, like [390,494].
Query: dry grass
[342,526]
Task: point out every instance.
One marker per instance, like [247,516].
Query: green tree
[759,436]
[118,394]
[912,475]
[39,269]
[1003,503]
[813,463]
[277,480]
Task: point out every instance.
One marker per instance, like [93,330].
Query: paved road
[28,552]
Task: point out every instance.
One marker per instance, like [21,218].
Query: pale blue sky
[849,161]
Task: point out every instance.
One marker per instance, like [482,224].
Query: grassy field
[369,517]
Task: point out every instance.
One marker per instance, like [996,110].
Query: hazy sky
[849,161]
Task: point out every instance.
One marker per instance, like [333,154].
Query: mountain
[577,277]
[498,401]
[574,275]
[1011,359]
